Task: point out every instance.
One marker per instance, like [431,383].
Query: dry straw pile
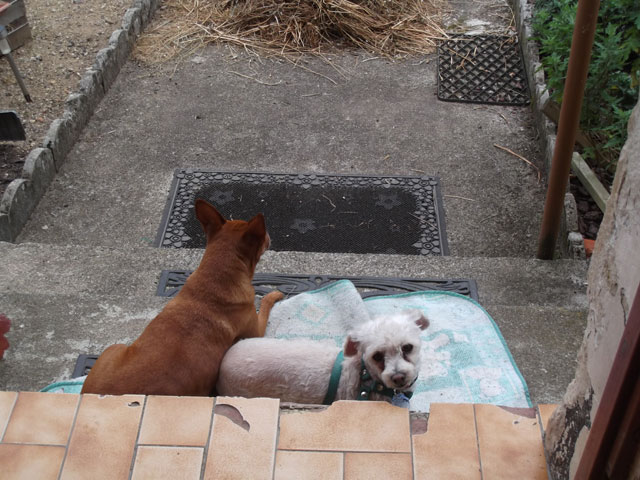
[290,27]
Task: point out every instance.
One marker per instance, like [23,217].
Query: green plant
[611,91]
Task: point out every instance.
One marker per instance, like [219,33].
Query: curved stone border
[572,242]
[41,165]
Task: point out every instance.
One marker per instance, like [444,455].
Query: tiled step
[184,437]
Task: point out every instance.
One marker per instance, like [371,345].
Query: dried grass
[388,28]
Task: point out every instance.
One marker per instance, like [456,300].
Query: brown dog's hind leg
[103,376]
[267,303]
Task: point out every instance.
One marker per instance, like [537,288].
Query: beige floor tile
[510,444]
[243,439]
[7,400]
[43,418]
[183,421]
[30,462]
[170,463]
[104,437]
[348,426]
[295,465]
[365,466]
[449,448]
[545,413]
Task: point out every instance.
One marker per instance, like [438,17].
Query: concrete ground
[379,118]
[83,273]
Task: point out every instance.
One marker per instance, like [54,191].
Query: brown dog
[179,352]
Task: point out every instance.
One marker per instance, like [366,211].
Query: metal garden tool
[5,50]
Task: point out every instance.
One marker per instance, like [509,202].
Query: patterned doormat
[171,281]
[482,69]
[314,213]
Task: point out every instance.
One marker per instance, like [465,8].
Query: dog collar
[336,371]
[369,385]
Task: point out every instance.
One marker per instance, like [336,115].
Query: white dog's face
[390,347]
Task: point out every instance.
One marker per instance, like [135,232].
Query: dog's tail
[266,304]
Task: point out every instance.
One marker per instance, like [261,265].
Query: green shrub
[614,73]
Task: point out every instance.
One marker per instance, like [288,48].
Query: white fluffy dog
[381,361]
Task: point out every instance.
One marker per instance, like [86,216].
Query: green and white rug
[464,356]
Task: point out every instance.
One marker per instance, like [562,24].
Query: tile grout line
[168,445]
[135,445]
[275,450]
[207,443]
[413,463]
[73,426]
[544,450]
[6,425]
[30,444]
[349,451]
[475,423]
[342,451]
[344,464]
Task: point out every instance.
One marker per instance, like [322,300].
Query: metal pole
[583,35]
[18,76]
[5,49]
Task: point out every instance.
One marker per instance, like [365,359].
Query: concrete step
[134,271]
[49,331]
[70,300]
[382,118]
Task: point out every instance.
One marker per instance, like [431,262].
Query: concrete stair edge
[49,331]
[70,269]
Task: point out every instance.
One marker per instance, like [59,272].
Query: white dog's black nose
[399,379]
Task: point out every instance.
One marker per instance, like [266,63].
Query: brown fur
[179,352]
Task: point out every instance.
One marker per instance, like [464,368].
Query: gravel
[67,34]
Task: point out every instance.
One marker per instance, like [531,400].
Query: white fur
[299,370]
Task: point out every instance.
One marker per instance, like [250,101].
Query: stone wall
[614,275]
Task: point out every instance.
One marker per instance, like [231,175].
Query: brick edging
[41,165]
[570,239]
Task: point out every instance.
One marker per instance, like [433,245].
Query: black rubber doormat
[314,213]
[482,69]
[171,281]
[83,365]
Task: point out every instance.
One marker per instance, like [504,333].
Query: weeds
[614,73]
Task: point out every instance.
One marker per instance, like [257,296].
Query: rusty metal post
[579,58]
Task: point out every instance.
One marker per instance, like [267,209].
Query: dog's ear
[422,322]
[351,347]
[418,317]
[209,217]
[257,227]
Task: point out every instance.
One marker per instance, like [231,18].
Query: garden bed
[611,91]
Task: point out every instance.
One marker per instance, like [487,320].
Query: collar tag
[400,400]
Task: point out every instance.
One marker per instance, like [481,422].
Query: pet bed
[464,356]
